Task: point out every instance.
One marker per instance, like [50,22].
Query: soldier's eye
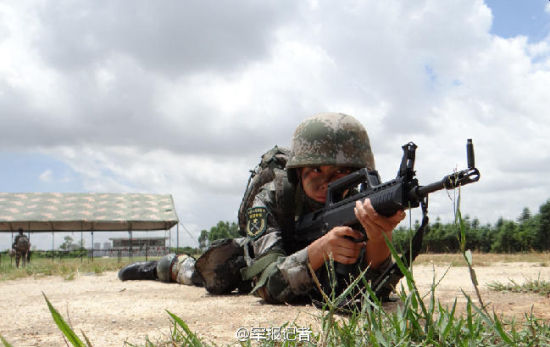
[344,171]
[316,169]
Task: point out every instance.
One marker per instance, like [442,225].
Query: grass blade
[500,330]
[191,339]
[63,326]
[5,342]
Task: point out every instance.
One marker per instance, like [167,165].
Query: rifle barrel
[423,191]
[451,181]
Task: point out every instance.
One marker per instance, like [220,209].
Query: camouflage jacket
[21,243]
[271,222]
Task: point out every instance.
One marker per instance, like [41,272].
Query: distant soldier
[21,246]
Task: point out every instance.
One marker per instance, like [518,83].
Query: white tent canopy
[61,212]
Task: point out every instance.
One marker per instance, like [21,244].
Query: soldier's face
[315,179]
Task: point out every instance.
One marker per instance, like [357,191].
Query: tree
[506,240]
[543,234]
[68,244]
[203,239]
[222,230]
[525,215]
[487,235]
[475,223]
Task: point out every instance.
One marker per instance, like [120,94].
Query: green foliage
[186,250]
[182,334]
[68,268]
[5,342]
[64,327]
[68,244]
[543,234]
[203,239]
[532,286]
[528,233]
[506,240]
[222,230]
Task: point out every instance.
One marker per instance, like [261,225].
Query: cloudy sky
[181,97]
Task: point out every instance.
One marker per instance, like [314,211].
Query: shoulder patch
[256,222]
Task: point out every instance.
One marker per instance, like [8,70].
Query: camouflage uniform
[176,268]
[183,269]
[280,203]
[170,268]
[289,278]
[21,246]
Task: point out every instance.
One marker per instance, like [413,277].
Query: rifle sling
[385,283]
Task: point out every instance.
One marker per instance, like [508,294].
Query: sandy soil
[111,312]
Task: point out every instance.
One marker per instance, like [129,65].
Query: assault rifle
[387,198]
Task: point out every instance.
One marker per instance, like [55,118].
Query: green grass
[68,268]
[531,286]
[484,259]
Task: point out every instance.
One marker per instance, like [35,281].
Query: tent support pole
[53,238]
[81,240]
[92,246]
[28,255]
[11,258]
[131,248]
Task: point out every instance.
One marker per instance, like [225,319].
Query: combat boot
[143,270]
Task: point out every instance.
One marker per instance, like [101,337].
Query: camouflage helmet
[331,139]
[164,266]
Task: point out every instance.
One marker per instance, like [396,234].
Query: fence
[146,252]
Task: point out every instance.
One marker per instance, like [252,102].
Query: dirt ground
[111,312]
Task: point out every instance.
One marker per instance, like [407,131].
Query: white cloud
[46,176]
[193,122]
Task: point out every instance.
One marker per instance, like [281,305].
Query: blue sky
[515,17]
[35,172]
[182,99]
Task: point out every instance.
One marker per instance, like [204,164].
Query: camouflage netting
[87,212]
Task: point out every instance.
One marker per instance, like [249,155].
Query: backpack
[22,245]
[220,267]
[263,173]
